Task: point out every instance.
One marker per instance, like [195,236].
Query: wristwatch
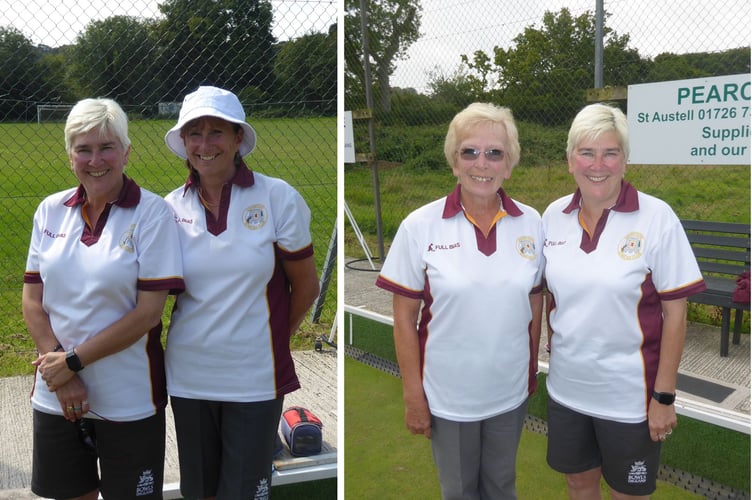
[664,398]
[73,361]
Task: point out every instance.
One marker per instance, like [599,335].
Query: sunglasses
[87,435]
[471,154]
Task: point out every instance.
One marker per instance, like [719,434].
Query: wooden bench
[722,250]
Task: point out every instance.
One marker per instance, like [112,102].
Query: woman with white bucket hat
[250,277]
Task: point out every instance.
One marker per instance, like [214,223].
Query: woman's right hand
[72,397]
[418,416]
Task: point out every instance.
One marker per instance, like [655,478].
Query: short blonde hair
[593,121]
[476,114]
[104,115]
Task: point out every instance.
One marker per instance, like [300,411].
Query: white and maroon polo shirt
[607,290]
[91,277]
[229,337]
[474,326]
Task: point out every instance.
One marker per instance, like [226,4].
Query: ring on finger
[77,408]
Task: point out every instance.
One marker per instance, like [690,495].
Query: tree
[669,66]
[543,77]
[227,43]
[306,71]
[18,74]
[116,57]
[393,25]
[459,88]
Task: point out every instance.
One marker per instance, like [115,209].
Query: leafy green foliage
[303,68]
[116,56]
[393,25]
[227,43]
[546,72]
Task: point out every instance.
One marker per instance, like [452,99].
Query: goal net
[52,112]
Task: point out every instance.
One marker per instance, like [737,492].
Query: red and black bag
[302,431]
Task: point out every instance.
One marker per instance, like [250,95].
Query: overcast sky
[59,22]
[451,28]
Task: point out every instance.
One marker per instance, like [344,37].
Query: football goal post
[52,112]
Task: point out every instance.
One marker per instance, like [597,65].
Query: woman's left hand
[661,420]
[54,369]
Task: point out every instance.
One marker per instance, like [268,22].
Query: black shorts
[225,448]
[130,456]
[628,458]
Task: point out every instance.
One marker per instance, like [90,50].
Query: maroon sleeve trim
[175,285]
[393,287]
[32,278]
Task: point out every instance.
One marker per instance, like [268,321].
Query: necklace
[204,200]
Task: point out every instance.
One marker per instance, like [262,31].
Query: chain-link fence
[428,59]
[278,56]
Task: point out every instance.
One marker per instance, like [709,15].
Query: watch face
[73,362]
[664,397]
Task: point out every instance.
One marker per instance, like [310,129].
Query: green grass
[694,192]
[413,176]
[383,460]
[301,151]
[706,450]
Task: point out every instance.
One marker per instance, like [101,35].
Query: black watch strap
[73,361]
[664,398]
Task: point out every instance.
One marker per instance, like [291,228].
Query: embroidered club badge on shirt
[254,217]
[526,247]
[631,246]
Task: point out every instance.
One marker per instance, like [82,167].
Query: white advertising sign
[349,138]
[690,122]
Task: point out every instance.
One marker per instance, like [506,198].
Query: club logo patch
[638,473]
[526,247]
[254,217]
[631,246]
[146,483]
[126,240]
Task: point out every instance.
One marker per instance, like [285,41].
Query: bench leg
[738,326]
[725,320]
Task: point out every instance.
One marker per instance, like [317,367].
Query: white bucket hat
[210,101]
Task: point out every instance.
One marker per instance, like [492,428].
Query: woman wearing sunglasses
[468,360]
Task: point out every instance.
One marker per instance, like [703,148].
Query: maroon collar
[129,196]
[453,205]
[626,202]
[243,177]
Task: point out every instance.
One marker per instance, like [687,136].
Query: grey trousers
[476,460]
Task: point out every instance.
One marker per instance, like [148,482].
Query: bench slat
[742,257]
[718,240]
[720,227]
[721,268]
